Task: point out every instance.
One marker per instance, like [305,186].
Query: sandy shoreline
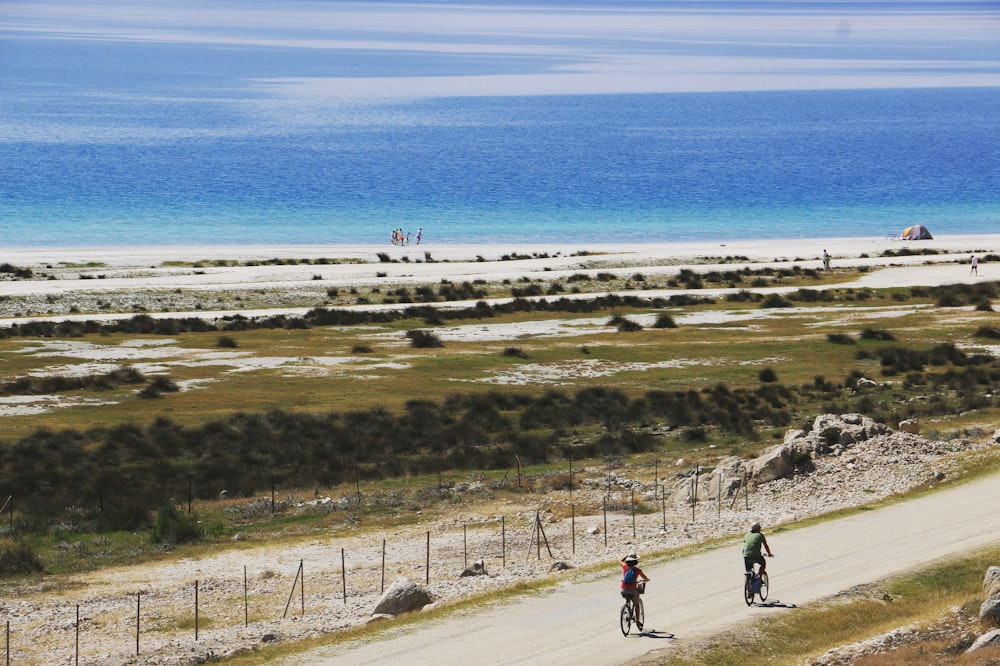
[81,283]
[754,250]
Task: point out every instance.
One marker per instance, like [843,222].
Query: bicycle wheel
[640,614]
[626,619]
[763,586]
[748,590]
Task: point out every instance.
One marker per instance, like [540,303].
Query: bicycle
[754,584]
[632,612]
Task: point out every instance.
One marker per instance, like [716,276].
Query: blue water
[330,122]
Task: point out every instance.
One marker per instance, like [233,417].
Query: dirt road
[692,597]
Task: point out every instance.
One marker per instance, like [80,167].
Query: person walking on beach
[975,266]
[420,234]
[826,260]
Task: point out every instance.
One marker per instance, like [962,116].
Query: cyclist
[631,574]
[752,543]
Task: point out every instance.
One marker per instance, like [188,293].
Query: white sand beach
[891,262]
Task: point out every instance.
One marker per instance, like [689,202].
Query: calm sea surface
[262,122]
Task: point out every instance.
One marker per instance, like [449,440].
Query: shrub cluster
[132,467]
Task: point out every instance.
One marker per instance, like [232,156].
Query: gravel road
[694,597]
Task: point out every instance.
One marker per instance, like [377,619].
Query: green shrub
[158,387]
[987,332]
[768,375]
[628,326]
[423,339]
[18,558]
[742,296]
[876,334]
[164,384]
[663,320]
[950,300]
[127,518]
[831,435]
[174,527]
[775,301]
[695,434]
[226,342]
[802,461]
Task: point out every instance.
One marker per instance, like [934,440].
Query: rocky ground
[43,627]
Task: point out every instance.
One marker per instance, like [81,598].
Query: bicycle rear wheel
[748,589]
[626,619]
[763,586]
[640,614]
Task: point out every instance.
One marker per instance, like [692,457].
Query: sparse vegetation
[18,558]
[174,527]
[236,434]
[775,301]
[663,320]
[840,339]
[421,339]
[226,342]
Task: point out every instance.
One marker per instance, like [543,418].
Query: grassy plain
[725,340]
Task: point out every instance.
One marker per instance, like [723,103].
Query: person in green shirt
[752,543]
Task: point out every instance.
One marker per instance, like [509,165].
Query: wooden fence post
[503,541]
[605,522]
[719,498]
[572,525]
[138,607]
[291,593]
[633,513]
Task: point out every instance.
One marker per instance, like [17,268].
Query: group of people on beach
[400,238]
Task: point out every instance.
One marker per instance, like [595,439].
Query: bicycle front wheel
[748,590]
[640,614]
[763,586]
[626,619]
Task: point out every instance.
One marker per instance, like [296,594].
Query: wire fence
[258,596]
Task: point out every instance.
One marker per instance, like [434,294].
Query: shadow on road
[653,633]
[774,604]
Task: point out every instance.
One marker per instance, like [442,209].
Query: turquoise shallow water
[337,122]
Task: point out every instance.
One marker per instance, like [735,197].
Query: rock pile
[989,611]
[854,440]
